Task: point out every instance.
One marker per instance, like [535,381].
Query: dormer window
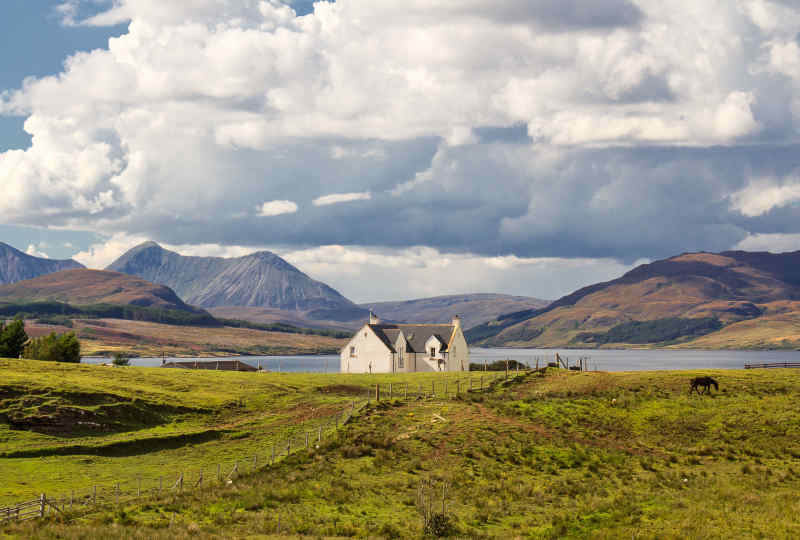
[352,352]
[433,352]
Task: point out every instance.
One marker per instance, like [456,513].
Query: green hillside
[558,455]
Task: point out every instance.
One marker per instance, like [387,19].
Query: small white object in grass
[613,402]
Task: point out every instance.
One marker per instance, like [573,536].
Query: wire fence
[140,488]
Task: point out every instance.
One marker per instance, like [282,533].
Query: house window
[433,352]
[352,351]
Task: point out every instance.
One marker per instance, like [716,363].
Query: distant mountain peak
[16,265]
[260,279]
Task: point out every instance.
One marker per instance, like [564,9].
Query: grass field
[105,336]
[65,427]
[557,455]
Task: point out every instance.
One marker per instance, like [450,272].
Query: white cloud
[276,208]
[204,108]
[101,254]
[774,242]
[336,198]
[373,274]
[35,251]
[765,194]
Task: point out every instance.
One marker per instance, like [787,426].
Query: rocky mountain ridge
[260,279]
[17,266]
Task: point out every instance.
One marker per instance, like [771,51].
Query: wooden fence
[773,365]
[140,488]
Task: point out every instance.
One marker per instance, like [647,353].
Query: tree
[12,339]
[121,359]
[54,348]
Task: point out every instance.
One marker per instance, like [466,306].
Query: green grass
[559,455]
[151,422]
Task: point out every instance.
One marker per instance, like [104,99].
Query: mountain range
[472,308]
[18,266]
[733,299]
[262,280]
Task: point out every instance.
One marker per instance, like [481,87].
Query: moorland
[553,454]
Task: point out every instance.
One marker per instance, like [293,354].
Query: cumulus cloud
[35,251]
[774,243]
[535,128]
[372,274]
[336,198]
[276,208]
[763,194]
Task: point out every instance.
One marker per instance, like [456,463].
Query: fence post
[42,503]
[138,487]
[200,479]
[377,392]
[481,383]
[180,488]
[445,390]
[433,389]
[319,435]
[255,462]
[288,446]
[405,395]
[391,391]
[458,387]
[306,440]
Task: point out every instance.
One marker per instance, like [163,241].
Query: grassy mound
[559,455]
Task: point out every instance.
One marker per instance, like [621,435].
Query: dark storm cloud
[493,199]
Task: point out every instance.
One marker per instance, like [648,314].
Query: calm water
[605,360]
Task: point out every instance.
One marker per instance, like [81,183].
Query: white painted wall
[369,349]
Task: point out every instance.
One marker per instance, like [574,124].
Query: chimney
[457,321]
[374,319]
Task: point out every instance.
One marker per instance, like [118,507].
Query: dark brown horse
[705,383]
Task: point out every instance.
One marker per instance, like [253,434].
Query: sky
[403,149]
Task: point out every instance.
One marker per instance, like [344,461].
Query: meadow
[552,455]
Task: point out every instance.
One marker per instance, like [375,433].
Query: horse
[705,382]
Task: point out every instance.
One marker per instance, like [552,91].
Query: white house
[402,348]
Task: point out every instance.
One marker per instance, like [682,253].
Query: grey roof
[416,334]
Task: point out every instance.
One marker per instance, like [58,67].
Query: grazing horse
[705,382]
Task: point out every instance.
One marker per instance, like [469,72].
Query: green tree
[121,359]
[54,348]
[12,339]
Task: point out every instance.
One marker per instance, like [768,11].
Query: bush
[12,339]
[121,359]
[54,348]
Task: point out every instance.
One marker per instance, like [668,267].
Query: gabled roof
[416,334]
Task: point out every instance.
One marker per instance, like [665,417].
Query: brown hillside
[85,287]
[760,289]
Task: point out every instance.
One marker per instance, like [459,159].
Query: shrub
[12,339]
[121,359]
[54,348]
[440,525]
